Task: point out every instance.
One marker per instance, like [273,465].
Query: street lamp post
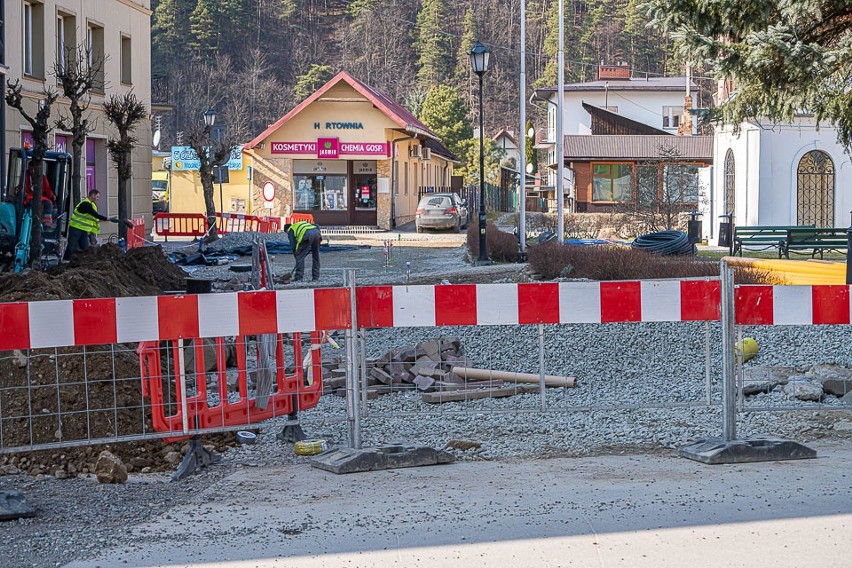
[209,121]
[479,61]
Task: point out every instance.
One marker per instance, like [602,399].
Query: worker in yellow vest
[304,238]
[85,222]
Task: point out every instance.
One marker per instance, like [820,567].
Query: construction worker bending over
[304,238]
[84,222]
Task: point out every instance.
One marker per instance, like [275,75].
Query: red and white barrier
[120,320]
[792,305]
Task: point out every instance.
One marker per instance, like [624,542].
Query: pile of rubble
[427,367]
[822,382]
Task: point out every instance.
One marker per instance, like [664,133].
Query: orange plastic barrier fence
[180,225]
[289,393]
[136,235]
[296,217]
[269,225]
[236,223]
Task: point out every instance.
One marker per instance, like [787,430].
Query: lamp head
[209,117]
[479,55]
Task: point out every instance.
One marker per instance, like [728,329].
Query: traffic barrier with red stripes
[60,323]
[180,225]
[291,393]
[181,406]
[237,223]
[195,224]
[136,235]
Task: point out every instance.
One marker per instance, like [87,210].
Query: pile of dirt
[99,272]
[76,394]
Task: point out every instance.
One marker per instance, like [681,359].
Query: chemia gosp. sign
[184,158]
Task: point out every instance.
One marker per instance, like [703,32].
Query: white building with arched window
[780,174]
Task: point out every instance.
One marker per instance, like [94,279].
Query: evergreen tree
[311,80]
[169,28]
[432,44]
[203,27]
[445,114]
[463,73]
[468,153]
[783,57]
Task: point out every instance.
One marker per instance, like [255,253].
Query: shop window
[96,173]
[612,182]
[672,116]
[320,193]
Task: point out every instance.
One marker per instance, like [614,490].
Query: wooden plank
[474,394]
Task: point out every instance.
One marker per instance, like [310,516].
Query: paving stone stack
[425,366]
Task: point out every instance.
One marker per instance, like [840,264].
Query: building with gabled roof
[349,155]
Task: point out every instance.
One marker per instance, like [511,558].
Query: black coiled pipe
[665,243]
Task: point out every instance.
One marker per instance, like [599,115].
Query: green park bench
[814,240]
[763,237]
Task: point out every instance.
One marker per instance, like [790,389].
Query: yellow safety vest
[299,229]
[84,221]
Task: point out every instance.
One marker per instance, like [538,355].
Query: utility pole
[560,136]
[522,137]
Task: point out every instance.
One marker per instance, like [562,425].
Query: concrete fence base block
[13,505]
[349,460]
[718,451]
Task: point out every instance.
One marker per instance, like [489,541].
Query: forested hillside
[255,59]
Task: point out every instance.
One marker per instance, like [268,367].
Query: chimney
[613,72]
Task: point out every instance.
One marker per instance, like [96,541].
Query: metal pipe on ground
[511,377]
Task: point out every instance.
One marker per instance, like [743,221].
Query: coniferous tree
[311,80]
[203,26]
[444,112]
[783,57]
[432,44]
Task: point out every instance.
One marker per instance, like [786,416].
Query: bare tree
[664,189]
[125,112]
[78,73]
[40,123]
[211,153]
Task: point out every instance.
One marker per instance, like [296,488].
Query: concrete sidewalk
[615,511]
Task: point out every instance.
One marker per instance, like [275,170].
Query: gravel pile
[640,386]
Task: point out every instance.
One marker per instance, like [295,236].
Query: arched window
[815,190]
[730,187]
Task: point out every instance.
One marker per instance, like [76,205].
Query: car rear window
[443,201]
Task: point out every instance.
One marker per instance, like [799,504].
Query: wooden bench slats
[815,240]
[791,238]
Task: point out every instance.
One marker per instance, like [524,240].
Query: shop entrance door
[363,199]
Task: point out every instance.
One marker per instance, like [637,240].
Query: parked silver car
[441,211]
